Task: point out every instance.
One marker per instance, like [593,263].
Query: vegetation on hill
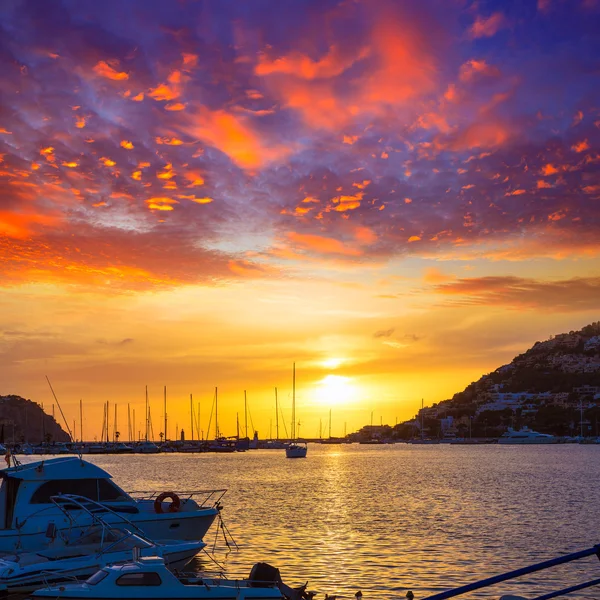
[554,387]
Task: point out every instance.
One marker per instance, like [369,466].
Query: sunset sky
[397,196]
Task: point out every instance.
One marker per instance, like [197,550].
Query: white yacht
[147,578]
[90,544]
[147,447]
[526,436]
[26,507]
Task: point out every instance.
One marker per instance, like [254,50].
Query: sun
[334,390]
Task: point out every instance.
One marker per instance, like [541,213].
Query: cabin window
[109,492]
[79,487]
[97,577]
[150,578]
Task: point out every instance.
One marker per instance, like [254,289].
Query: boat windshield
[102,490]
[97,577]
[122,540]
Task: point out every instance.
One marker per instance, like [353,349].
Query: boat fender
[173,507]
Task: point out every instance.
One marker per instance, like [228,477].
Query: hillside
[547,388]
[22,420]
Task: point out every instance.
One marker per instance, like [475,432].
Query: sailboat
[294,449]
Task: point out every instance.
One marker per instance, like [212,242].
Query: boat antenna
[63,416]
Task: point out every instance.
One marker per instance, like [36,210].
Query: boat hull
[294,451]
[526,441]
[182,526]
[45,575]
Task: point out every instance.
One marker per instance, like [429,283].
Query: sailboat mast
[422,432]
[128,422]
[294,403]
[245,415]
[216,413]
[192,416]
[107,422]
[165,408]
[198,430]
[237,425]
[81,419]
[115,425]
[147,413]
[329,423]
[276,416]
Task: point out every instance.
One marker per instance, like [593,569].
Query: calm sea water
[386,519]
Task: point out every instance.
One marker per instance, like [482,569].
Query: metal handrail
[184,495]
[482,583]
[569,590]
[84,504]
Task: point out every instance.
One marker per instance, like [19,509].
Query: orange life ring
[173,507]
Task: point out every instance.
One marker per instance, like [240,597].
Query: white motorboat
[147,578]
[147,447]
[526,436]
[90,544]
[26,507]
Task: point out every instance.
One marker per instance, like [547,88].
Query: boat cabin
[148,578]
[28,488]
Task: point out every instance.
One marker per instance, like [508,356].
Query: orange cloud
[71,164]
[516,193]
[299,65]
[549,170]
[48,154]
[400,65]
[581,146]
[541,184]
[104,69]
[189,60]
[168,141]
[365,236]
[127,145]
[414,238]
[161,203]
[175,106]
[107,162]
[79,122]
[139,97]
[487,134]
[170,90]
[168,173]
[234,136]
[194,178]
[192,198]
[474,69]
[23,225]
[323,245]
[347,202]
[487,27]
[434,275]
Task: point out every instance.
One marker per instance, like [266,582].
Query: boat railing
[203,498]
[94,510]
[48,584]
[547,564]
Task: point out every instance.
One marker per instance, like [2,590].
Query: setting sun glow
[398,197]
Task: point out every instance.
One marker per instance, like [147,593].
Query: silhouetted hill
[547,388]
[22,420]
